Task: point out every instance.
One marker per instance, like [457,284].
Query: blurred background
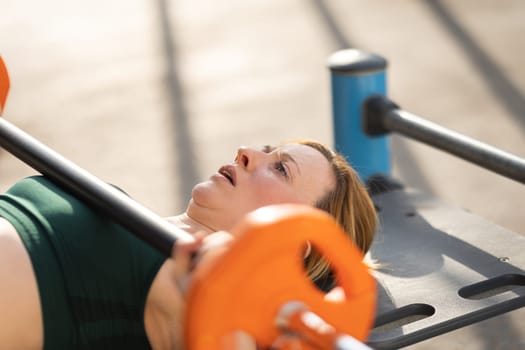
[155,95]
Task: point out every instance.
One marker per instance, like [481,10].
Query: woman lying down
[72,279]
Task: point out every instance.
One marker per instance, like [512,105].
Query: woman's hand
[188,256]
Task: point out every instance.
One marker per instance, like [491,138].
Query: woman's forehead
[298,152]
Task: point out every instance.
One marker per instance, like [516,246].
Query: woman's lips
[228,171]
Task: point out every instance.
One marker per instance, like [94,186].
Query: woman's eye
[279,166]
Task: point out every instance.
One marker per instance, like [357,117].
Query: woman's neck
[186,223]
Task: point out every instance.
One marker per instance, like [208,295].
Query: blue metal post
[355,76]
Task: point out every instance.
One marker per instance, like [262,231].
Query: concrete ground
[154,95]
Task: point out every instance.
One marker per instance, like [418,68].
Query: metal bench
[441,267]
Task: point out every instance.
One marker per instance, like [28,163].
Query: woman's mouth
[228,171]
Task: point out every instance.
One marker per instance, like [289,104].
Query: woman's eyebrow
[268,148]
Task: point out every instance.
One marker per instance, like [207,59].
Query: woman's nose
[248,157]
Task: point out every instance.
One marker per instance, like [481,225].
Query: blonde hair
[349,203]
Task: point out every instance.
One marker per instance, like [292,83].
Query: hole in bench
[491,287]
[402,316]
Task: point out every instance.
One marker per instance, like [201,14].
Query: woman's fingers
[288,342]
[182,255]
[238,340]
[187,256]
[212,245]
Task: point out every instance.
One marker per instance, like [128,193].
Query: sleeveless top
[93,275]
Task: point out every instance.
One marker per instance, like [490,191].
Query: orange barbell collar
[245,287]
[4,84]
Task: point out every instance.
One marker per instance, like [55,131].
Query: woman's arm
[21,324]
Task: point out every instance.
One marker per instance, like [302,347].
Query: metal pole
[142,222]
[355,75]
[383,116]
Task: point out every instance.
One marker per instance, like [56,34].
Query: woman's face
[292,173]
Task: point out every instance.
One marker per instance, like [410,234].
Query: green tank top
[93,276]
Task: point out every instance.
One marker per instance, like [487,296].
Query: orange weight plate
[4,84]
[245,287]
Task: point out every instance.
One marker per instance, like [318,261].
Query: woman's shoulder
[38,194]
[30,184]
[35,187]
[38,199]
